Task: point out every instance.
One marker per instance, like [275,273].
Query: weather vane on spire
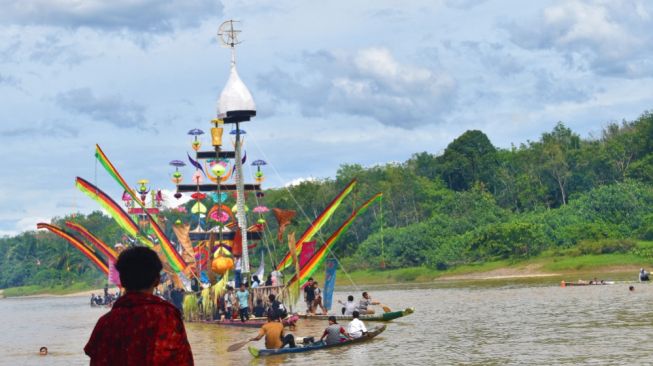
[228,35]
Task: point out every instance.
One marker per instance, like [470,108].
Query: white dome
[235,96]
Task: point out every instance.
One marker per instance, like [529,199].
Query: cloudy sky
[334,81]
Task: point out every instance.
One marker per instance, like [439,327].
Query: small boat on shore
[316,346]
[383,317]
[251,323]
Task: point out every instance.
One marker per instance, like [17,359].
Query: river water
[500,324]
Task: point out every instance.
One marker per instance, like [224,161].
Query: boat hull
[316,346]
[383,317]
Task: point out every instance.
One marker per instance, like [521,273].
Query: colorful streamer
[113,172]
[102,246]
[320,255]
[113,209]
[174,258]
[318,223]
[77,244]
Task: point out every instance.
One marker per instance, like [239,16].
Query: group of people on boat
[362,307]
[313,297]
[334,333]
[107,300]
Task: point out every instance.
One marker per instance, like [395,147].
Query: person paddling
[366,301]
[273,333]
[348,307]
[334,333]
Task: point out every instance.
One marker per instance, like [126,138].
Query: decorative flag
[308,249]
[99,263]
[317,224]
[329,282]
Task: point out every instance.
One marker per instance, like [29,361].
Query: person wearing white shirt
[356,328]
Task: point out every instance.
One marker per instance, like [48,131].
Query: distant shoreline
[621,267]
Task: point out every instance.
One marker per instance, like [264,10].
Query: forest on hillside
[473,203]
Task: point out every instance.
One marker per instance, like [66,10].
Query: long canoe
[237,323]
[316,346]
[383,317]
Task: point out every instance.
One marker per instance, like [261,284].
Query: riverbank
[546,268]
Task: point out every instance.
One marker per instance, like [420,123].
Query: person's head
[271,297]
[259,302]
[350,298]
[332,320]
[355,314]
[631,288]
[273,317]
[314,283]
[43,351]
[310,280]
[255,278]
[269,276]
[365,295]
[139,269]
[242,287]
[641,269]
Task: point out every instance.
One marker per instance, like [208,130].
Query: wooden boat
[316,346]
[383,317]
[585,283]
[251,323]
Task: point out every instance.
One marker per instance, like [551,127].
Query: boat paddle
[237,346]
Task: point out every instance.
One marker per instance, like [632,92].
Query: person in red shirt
[141,329]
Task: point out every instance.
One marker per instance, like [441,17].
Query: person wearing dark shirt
[259,309]
[268,281]
[309,296]
[140,329]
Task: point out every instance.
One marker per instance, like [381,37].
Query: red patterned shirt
[140,329]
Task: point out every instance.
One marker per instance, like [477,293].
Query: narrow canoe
[383,317]
[316,346]
[237,323]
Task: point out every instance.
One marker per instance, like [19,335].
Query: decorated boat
[382,317]
[318,345]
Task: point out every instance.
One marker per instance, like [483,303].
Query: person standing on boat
[140,329]
[228,302]
[643,275]
[366,301]
[356,327]
[243,302]
[334,333]
[309,296]
[268,281]
[318,299]
[273,332]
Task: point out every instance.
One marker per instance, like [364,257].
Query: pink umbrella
[261,209]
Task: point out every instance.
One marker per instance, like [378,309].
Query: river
[469,324]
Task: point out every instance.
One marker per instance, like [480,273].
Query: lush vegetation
[561,195]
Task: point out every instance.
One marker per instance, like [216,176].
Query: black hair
[272,297]
[139,268]
[350,298]
[333,319]
[364,293]
[355,314]
[43,349]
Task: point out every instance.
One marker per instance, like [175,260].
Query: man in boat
[140,329]
[273,332]
[366,301]
[334,333]
[228,302]
[276,309]
[309,296]
[643,275]
[243,302]
[356,328]
[348,307]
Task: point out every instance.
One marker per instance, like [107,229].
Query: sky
[335,82]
